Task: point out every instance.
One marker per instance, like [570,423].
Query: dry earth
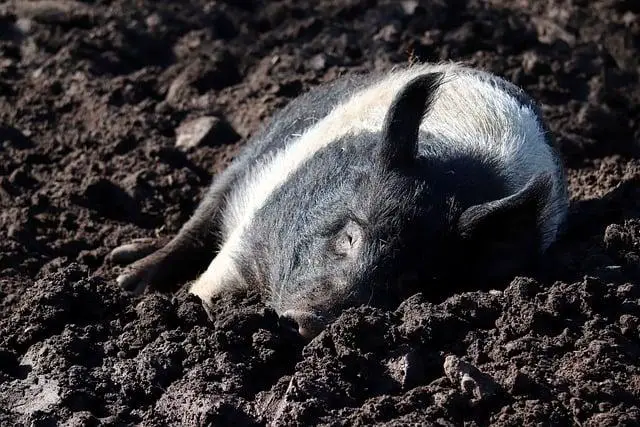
[91,95]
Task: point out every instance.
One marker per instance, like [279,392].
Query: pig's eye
[347,239]
[343,244]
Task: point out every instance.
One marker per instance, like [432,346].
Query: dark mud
[91,95]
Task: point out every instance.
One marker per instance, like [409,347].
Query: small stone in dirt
[55,11]
[408,370]
[23,25]
[153,21]
[409,6]
[207,130]
[471,381]
[318,62]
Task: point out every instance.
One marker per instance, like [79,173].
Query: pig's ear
[504,234]
[402,122]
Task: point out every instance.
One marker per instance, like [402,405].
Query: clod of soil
[94,96]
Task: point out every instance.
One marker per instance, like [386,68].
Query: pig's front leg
[165,266]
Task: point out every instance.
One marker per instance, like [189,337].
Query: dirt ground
[91,95]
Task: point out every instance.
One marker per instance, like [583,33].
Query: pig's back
[473,112]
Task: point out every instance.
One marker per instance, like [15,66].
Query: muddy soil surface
[91,95]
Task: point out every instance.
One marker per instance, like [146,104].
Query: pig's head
[355,226]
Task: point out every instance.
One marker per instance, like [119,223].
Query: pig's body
[330,168]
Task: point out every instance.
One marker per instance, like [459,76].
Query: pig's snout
[304,323]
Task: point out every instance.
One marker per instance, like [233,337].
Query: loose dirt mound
[91,95]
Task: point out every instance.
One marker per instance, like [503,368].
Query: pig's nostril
[288,323]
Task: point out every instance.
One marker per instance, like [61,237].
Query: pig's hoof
[132,282]
[134,251]
[137,277]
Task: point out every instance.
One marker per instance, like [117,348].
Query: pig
[420,175]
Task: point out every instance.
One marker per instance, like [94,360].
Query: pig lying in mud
[424,174]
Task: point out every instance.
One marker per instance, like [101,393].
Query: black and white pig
[426,173]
